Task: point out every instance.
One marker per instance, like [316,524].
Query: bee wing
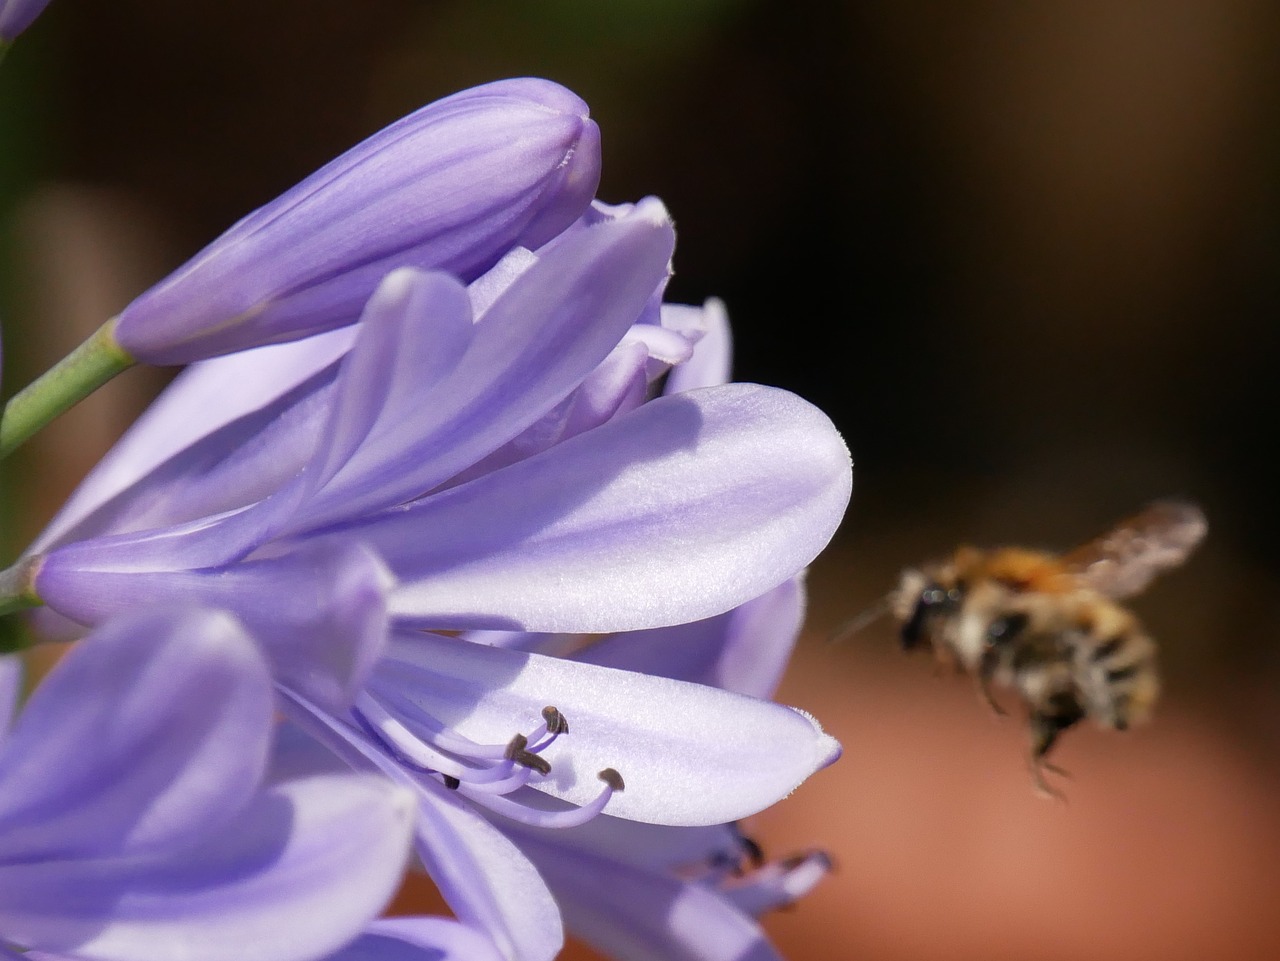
[1127,558]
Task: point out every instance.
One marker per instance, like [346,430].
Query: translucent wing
[1126,559]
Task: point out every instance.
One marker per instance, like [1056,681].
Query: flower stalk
[63,386]
[18,586]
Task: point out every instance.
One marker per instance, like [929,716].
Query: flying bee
[1049,626]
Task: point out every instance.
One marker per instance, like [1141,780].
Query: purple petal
[10,691]
[744,650]
[419,939]
[654,847]
[109,754]
[320,613]
[485,878]
[779,883]
[17,15]
[640,915]
[677,511]
[202,400]
[549,329]
[712,355]
[689,754]
[414,330]
[295,875]
[481,874]
[452,186]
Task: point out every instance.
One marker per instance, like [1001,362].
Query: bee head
[922,596]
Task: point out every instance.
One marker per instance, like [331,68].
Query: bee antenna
[856,623]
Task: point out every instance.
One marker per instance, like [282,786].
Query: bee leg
[986,671]
[1063,711]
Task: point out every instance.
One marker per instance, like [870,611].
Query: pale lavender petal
[419,939]
[186,699]
[618,385]
[779,883]
[415,329]
[235,466]
[744,650]
[627,912]
[319,613]
[689,754]
[540,338]
[452,186]
[201,400]
[296,874]
[654,847]
[481,874]
[677,511]
[10,691]
[550,328]
[485,878]
[712,355]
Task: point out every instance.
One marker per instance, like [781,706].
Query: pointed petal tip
[826,749]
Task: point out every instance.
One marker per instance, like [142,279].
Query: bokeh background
[1027,256]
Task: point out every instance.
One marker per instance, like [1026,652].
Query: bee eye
[932,595]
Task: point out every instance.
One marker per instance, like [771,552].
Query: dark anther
[612,778]
[516,752]
[753,850]
[452,783]
[556,723]
[1006,628]
[534,762]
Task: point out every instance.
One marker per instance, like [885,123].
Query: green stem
[62,386]
[4,48]
[18,586]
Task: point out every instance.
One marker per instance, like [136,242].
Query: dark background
[1024,255]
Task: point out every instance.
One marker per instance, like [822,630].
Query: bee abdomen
[1119,678]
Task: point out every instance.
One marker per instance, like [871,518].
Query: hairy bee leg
[986,671]
[1045,729]
[1043,733]
[984,688]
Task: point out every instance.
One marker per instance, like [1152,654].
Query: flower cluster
[453,546]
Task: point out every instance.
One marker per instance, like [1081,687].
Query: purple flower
[17,15]
[665,512]
[499,456]
[134,818]
[453,186]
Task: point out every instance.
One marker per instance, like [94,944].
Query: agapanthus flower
[439,711]
[453,186]
[16,16]
[670,511]
[136,824]
[492,456]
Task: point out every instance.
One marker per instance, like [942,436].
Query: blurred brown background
[1024,255]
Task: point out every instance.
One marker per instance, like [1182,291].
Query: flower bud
[17,15]
[452,186]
